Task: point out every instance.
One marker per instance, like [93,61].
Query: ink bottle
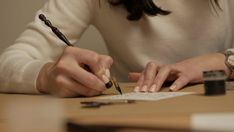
[214,82]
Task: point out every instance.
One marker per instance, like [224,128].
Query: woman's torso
[193,28]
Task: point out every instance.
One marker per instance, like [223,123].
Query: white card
[145,96]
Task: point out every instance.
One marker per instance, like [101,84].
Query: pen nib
[117,87]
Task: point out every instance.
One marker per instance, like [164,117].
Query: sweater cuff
[30,75]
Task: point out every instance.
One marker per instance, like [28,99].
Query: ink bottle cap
[214,82]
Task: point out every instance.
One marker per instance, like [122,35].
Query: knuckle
[60,66]
[151,64]
[94,56]
[187,78]
[109,59]
[68,50]
[184,76]
[105,61]
[166,67]
[59,80]
[93,81]
[90,53]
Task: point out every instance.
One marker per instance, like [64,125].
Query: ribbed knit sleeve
[20,63]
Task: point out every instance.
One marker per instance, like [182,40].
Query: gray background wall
[16,14]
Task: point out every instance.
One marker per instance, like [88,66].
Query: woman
[174,46]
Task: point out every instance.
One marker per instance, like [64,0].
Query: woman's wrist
[43,78]
[229,61]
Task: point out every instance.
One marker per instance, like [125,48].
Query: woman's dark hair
[137,8]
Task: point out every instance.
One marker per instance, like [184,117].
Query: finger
[68,87]
[179,83]
[100,67]
[139,83]
[86,78]
[134,76]
[94,62]
[64,93]
[105,63]
[149,75]
[83,90]
[82,56]
[89,58]
[160,78]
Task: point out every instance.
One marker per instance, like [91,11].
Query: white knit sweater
[194,28]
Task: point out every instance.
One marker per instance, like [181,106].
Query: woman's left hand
[188,71]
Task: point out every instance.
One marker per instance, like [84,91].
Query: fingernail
[109,84]
[107,72]
[137,89]
[153,88]
[144,88]
[105,79]
[173,88]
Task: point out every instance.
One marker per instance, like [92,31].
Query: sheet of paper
[145,96]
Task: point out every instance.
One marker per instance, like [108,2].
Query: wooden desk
[43,113]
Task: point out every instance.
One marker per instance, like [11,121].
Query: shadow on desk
[76,127]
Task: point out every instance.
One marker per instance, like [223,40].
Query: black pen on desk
[65,40]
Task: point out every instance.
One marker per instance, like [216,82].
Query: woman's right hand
[69,76]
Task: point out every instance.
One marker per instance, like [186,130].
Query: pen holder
[214,82]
